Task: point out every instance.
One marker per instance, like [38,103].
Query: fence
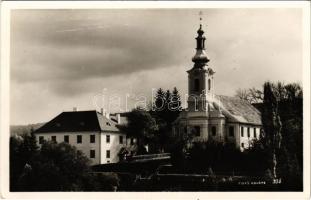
[148,157]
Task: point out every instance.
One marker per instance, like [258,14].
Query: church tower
[200,77]
[214,117]
[201,119]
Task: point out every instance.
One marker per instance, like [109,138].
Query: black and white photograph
[158,99]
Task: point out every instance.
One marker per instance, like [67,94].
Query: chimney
[118,118]
[102,111]
[75,109]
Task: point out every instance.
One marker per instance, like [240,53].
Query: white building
[215,117]
[91,132]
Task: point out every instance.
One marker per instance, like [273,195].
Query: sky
[62,59]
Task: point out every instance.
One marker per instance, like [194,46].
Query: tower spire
[200,14]
[200,58]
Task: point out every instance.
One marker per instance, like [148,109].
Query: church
[215,117]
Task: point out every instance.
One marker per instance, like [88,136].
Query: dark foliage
[284,101]
[290,109]
[24,129]
[272,127]
[54,167]
[142,126]
[166,109]
[22,151]
[282,118]
[225,159]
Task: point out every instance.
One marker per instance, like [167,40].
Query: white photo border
[6,8]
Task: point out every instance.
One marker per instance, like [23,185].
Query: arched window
[196,106]
[209,84]
[196,84]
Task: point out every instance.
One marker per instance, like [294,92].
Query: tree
[279,91]
[251,95]
[167,105]
[293,91]
[159,103]
[291,113]
[242,94]
[288,109]
[22,150]
[166,110]
[255,95]
[53,167]
[175,105]
[140,125]
[272,125]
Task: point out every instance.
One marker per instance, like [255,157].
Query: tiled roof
[237,110]
[107,124]
[78,121]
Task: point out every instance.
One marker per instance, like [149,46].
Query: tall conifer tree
[272,125]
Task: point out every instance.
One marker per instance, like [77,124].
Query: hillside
[22,129]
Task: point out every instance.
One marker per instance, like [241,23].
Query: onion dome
[200,56]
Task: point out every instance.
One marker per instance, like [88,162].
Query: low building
[228,120]
[91,132]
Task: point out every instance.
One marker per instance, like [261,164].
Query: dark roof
[237,110]
[79,121]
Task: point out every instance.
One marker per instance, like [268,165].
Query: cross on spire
[200,14]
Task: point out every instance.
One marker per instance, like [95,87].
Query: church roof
[237,110]
[79,121]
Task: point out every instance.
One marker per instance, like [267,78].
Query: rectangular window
[79,138]
[196,85]
[185,129]
[41,139]
[107,138]
[92,153]
[242,131]
[108,154]
[132,141]
[197,130]
[242,145]
[92,138]
[231,131]
[214,130]
[255,134]
[53,138]
[121,139]
[248,132]
[66,138]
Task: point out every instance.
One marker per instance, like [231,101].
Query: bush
[54,167]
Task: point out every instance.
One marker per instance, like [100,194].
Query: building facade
[91,132]
[215,117]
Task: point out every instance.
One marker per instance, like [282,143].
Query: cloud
[55,51]
[63,57]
